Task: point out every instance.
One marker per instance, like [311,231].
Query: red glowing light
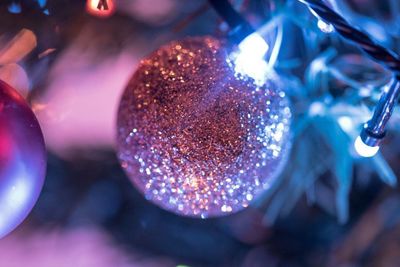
[100,8]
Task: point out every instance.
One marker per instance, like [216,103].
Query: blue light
[42,3]
[14,8]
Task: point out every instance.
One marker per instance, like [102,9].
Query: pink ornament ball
[196,138]
[22,159]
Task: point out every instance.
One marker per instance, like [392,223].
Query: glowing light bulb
[365,150]
[254,46]
[322,25]
[100,8]
[325,27]
[316,108]
[14,8]
[249,59]
[346,123]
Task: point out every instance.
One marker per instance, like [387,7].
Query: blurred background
[329,208]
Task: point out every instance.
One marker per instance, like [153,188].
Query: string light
[346,123]
[100,8]
[253,46]
[249,59]
[14,8]
[324,27]
[363,149]
[374,130]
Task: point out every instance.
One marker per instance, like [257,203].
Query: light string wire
[374,130]
[240,27]
[384,56]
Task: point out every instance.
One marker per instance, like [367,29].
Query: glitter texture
[194,137]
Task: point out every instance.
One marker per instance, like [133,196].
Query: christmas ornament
[195,137]
[22,159]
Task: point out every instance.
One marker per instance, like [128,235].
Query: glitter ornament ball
[196,138]
[22,159]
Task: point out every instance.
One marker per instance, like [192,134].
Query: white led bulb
[365,150]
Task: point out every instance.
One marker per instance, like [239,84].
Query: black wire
[374,131]
[227,12]
[385,56]
[240,28]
